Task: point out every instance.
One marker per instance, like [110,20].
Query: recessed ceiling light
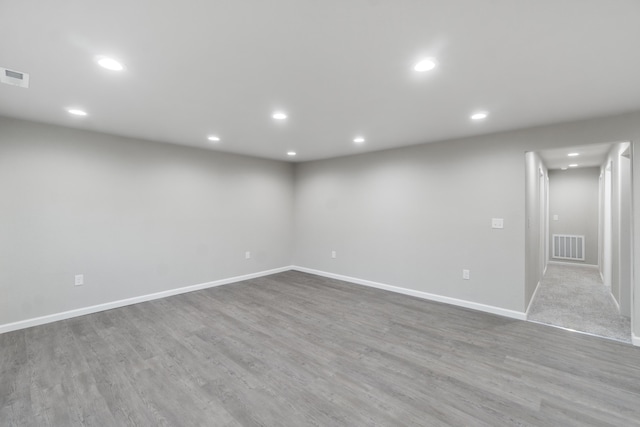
[110,64]
[425,65]
[479,116]
[573,154]
[76,112]
[213,138]
[279,115]
[358,140]
[564,169]
[291,153]
[573,165]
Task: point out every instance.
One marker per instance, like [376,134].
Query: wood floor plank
[294,349]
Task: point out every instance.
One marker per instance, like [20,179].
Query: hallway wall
[573,197]
[621,226]
[535,171]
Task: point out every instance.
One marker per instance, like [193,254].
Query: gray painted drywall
[415,217]
[536,183]
[621,226]
[135,217]
[625,231]
[574,198]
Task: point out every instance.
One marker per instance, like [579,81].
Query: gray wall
[574,197]
[415,217]
[536,195]
[134,217]
[624,232]
[621,226]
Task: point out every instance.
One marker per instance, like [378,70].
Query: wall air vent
[566,246]
[14,78]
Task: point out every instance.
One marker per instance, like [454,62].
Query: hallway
[575,298]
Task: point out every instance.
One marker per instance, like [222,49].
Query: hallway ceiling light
[573,165]
[564,169]
[358,140]
[291,153]
[573,154]
[425,65]
[479,116]
[213,138]
[76,112]
[279,115]
[110,63]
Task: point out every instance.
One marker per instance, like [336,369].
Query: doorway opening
[579,239]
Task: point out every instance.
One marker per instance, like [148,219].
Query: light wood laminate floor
[295,349]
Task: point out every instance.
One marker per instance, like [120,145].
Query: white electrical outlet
[79,279]
[497,223]
[465,274]
[333,254]
[247,255]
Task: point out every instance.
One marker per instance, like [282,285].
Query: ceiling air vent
[14,78]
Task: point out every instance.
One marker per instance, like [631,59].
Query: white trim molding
[615,301]
[535,293]
[635,340]
[22,324]
[573,264]
[419,294]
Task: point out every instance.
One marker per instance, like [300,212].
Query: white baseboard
[615,301]
[573,264]
[424,295]
[635,340]
[22,324]
[535,292]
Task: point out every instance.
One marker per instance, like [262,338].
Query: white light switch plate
[497,223]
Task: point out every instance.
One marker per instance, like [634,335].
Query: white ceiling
[591,155]
[338,68]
